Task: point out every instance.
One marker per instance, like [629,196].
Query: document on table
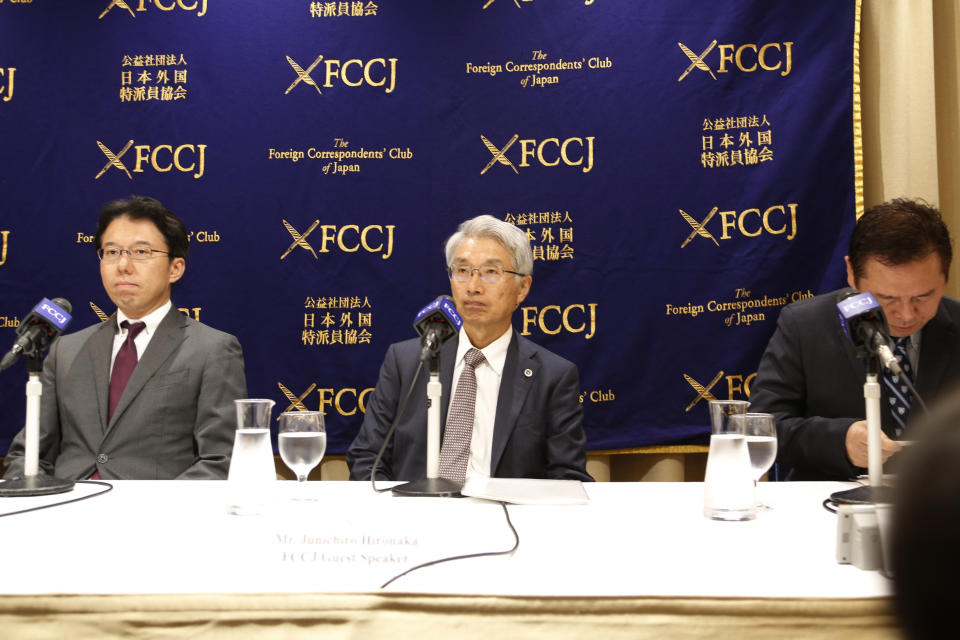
[526,490]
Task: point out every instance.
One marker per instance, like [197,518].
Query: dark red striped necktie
[124,364]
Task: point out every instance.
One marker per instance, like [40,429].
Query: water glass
[760,431]
[302,441]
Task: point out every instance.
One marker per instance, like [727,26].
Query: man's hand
[856,442]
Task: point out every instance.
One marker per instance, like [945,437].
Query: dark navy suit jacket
[811,380]
[538,430]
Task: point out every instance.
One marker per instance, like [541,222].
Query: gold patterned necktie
[455,451]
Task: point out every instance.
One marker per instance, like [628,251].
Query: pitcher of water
[728,492]
[251,465]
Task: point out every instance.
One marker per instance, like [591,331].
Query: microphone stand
[433,485]
[32,483]
[875,491]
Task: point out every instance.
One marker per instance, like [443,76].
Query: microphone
[44,323]
[865,325]
[435,324]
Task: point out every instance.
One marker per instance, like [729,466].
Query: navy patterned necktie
[455,451]
[897,390]
[124,364]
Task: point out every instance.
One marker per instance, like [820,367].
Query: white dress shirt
[152,321]
[488,374]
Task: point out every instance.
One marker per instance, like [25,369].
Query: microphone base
[39,485]
[429,487]
[864,495]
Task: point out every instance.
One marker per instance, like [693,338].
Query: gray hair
[511,237]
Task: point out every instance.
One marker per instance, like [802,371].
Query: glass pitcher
[251,465]
[728,492]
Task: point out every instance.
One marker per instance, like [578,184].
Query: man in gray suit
[523,417]
[107,412]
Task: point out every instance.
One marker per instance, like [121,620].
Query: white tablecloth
[632,540]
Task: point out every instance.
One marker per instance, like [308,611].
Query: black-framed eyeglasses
[491,274]
[112,254]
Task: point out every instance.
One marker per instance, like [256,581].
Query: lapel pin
[528,373]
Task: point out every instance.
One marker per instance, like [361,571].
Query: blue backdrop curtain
[682,169]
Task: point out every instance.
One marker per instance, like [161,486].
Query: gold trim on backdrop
[657,449]
[857,121]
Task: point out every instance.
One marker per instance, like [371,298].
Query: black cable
[916,395]
[828,501]
[109,488]
[516,543]
[393,426]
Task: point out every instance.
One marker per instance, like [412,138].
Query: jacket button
[102,458]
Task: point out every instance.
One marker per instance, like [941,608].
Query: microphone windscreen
[64,304]
[440,311]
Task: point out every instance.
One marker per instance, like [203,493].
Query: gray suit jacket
[176,418]
[538,427]
[811,380]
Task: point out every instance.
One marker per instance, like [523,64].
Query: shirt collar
[914,341]
[495,352]
[152,319]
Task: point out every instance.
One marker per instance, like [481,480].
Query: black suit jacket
[176,418]
[538,431]
[811,380]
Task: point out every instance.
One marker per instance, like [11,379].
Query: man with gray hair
[514,411]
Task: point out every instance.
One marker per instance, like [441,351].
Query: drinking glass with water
[760,432]
[302,441]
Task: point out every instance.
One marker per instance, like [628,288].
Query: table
[639,561]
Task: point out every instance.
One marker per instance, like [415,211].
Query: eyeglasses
[491,274]
[112,254]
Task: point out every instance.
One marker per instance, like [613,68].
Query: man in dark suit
[524,419]
[809,376]
[167,413]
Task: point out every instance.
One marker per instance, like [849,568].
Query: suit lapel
[857,365]
[168,337]
[934,353]
[448,356]
[520,370]
[100,348]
